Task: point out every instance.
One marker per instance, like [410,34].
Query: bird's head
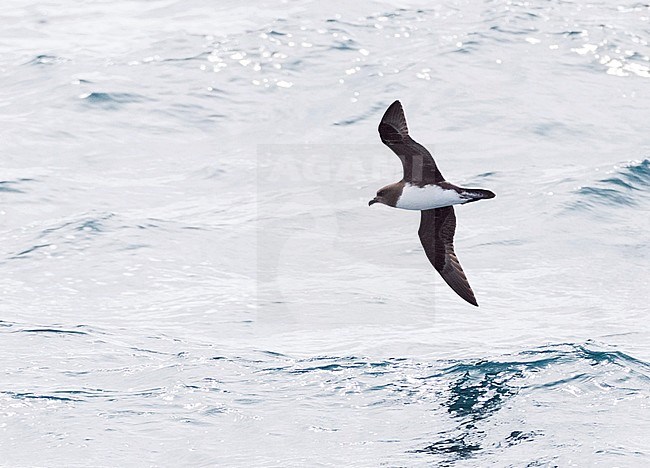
[387,195]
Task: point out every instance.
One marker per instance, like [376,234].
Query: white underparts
[428,197]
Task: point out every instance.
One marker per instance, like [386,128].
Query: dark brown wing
[437,228]
[419,166]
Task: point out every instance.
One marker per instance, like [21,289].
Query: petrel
[424,188]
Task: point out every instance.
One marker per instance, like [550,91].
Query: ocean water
[190,274]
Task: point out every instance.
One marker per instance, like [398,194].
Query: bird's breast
[427,198]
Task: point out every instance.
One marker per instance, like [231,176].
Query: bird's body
[431,196]
[423,188]
[427,197]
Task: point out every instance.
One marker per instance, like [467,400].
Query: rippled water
[190,273]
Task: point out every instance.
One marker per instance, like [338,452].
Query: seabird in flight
[424,188]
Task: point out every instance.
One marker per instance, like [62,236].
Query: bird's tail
[476,194]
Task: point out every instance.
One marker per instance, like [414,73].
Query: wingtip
[392,126]
[395,105]
[464,291]
[469,298]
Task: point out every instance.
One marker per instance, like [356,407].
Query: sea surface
[190,274]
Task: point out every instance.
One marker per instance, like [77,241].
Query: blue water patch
[12,185]
[113,100]
[459,447]
[91,225]
[94,223]
[54,331]
[7,186]
[35,396]
[29,250]
[471,392]
[46,59]
[624,188]
[82,395]
[78,233]
[479,390]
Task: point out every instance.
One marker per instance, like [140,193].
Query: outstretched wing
[437,228]
[419,166]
